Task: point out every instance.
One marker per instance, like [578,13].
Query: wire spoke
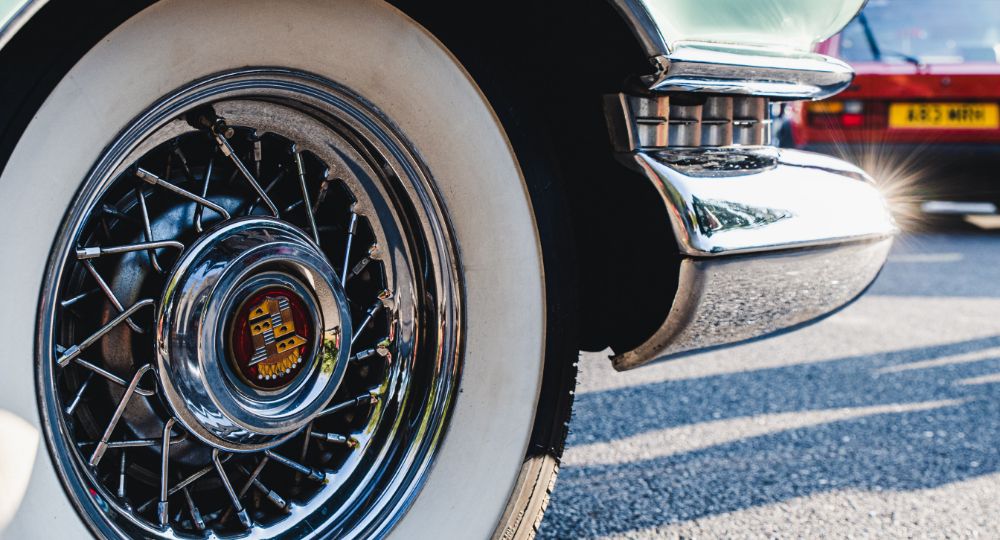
[336,438]
[370,314]
[162,509]
[102,446]
[369,398]
[258,152]
[267,189]
[103,285]
[199,522]
[305,448]
[380,349]
[268,493]
[305,193]
[312,474]
[70,301]
[363,263]
[200,208]
[121,477]
[183,484]
[79,395]
[94,252]
[152,179]
[138,443]
[241,512]
[72,352]
[114,212]
[246,486]
[252,476]
[324,188]
[147,231]
[184,163]
[352,227]
[94,369]
[227,150]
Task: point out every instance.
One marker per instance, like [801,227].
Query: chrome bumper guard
[769,239]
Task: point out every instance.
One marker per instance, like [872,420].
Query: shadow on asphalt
[952,439]
[903,451]
[953,258]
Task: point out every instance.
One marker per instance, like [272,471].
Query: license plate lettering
[944,116]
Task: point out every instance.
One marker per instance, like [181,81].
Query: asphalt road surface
[883,420]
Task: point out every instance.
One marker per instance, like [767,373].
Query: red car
[926,99]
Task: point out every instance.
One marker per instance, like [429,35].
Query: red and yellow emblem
[270,338]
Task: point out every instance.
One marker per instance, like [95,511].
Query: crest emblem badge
[270,338]
[276,345]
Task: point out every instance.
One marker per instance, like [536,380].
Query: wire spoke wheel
[250,320]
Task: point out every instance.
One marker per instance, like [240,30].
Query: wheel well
[552,61]
[42,51]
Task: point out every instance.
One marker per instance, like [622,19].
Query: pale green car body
[785,24]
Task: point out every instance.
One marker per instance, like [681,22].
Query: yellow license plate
[944,116]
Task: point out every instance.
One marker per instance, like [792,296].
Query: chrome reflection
[746,70]
[769,239]
[720,216]
[820,200]
[727,300]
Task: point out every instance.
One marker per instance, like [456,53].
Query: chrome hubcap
[247,352]
[250,323]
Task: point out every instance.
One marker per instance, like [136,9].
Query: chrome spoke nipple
[88,253]
[146,176]
[69,355]
[317,476]
[220,128]
[278,501]
[244,518]
[336,438]
[199,522]
[205,118]
[163,513]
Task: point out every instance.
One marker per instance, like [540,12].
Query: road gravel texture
[881,421]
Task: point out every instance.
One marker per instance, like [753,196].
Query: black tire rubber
[529,139]
[537,478]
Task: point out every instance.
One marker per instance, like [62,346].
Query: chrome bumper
[769,239]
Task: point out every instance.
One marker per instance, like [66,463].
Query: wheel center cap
[252,334]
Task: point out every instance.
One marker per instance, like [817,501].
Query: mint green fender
[791,25]
[660,24]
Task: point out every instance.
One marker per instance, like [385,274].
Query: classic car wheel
[291,286]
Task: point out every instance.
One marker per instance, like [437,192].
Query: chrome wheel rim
[369,261]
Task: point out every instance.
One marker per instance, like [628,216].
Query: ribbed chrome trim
[655,122]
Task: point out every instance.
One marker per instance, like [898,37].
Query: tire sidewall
[380,54]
